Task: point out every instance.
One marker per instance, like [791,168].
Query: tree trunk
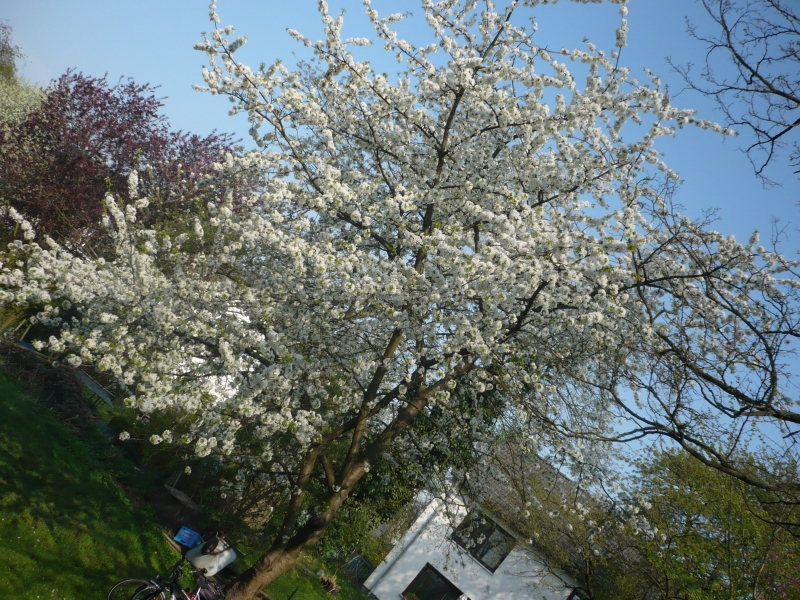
[282,556]
[285,553]
[267,568]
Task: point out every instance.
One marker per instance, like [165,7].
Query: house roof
[508,477]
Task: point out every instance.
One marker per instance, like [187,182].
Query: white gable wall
[428,541]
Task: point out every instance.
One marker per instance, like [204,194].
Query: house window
[484,539]
[429,584]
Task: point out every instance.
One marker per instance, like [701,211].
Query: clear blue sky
[151,41]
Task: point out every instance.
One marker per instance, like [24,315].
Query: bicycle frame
[159,588]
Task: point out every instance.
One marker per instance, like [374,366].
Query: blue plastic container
[187,537]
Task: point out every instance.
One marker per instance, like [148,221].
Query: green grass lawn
[67,530]
[304,576]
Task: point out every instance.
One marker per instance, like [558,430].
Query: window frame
[475,550]
[447,583]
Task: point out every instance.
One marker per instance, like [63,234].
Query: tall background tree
[16,96]
[9,53]
[471,243]
[83,140]
[674,530]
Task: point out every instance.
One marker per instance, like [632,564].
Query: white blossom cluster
[17,98]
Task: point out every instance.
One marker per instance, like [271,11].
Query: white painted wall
[519,577]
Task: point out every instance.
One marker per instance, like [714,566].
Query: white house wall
[518,577]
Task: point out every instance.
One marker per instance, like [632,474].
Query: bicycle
[165,589]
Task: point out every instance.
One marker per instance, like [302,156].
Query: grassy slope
[66,529]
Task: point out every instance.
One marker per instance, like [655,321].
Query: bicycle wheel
[136,589]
